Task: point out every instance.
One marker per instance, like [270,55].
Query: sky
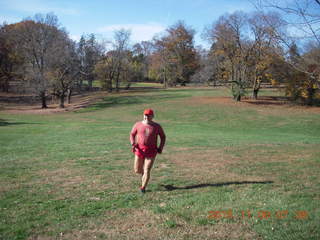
[144,18]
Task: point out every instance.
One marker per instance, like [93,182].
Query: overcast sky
[143,17]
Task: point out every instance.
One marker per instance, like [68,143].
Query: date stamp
[261,214]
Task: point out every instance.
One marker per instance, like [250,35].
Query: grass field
[229,170]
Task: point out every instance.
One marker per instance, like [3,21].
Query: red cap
[148,111]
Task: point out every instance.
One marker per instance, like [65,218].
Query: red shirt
[146,135]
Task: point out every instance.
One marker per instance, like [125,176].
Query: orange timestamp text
[262,214]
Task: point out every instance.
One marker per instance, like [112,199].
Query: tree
[35,38]
[81,55]
[89,53]
[121,44]
[63,68]
[142,54]
[302,17]
[159,64]
[264,46]
[114,66]
[243,47]
[303,85]
[105,71]
[176,54]
[210,70]
[231,45]
[10,58]
[139,67]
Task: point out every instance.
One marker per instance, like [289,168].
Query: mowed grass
[229,170]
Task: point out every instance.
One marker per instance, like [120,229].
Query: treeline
[40,57]
[246,51]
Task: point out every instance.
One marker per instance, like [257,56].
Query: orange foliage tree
[175,58]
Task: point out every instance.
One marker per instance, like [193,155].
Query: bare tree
[264,46]
[302,20]
[81,55]
[210,68]
[159,66]
[63,68]
[36,40]
[229,42]
[302,16]
[113,67]
[121,45]
[93,51]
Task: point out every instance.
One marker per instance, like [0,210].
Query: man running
[143,138]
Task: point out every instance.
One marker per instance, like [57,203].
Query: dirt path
[15,106]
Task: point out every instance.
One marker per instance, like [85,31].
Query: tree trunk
[117,82]
[165,82]
[256,88]
[238,98]
[109,87]
[165,85]
[61,104]
[43,100]
[128,86]
[80,83]
[69,95]
[214,82]
[53,98]
[90,83]
[255,94]
[310,97]
[6,85]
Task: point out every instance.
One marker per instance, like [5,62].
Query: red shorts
[145,152]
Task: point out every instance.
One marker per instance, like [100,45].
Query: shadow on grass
[141,89]
[171,89]
[114,101]
[269,100]
[5,123]
[277,100]
[202,185]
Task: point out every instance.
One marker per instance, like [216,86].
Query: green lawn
[229,170]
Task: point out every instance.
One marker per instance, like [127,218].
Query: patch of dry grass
[143,224]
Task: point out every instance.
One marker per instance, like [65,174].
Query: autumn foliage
[247,51]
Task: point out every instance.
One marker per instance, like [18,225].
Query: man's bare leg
[138,165]
[146,171]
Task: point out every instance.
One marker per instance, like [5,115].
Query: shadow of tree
[6,123]
[279,100]
[269,100]
[172,89]
[113,101]
[202,185]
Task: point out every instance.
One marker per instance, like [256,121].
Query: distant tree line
[247,50]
